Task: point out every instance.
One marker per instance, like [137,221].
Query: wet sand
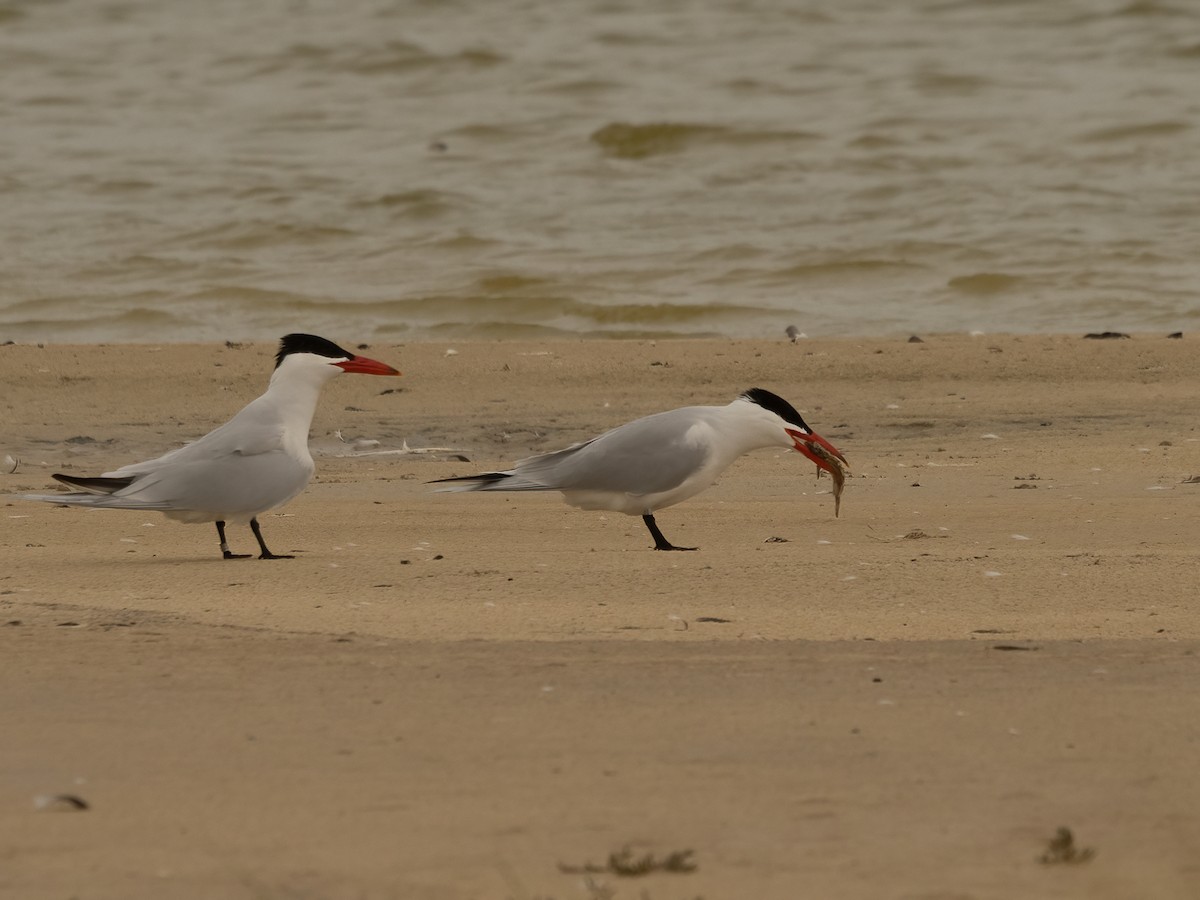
[457,696]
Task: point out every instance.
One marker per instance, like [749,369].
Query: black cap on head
[309,343]
[777,405]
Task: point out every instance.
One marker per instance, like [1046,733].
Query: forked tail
[484,481]
[96,485]
[97,493]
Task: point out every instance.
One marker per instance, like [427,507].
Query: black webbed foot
[660,542]
[266,554]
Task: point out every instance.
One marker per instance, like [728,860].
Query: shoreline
[1101,333]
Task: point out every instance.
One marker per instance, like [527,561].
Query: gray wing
[646,456]
[243,435]
[241,466]
[230,483]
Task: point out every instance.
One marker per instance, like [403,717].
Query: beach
[454,696]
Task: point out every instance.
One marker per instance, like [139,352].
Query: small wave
[389,57]
[909,163]
[138,267]
[1136,9]
[462,241]
[66,323]
[1144,8]
[420,204]
[843,268]
[580,87]
[984,283]
[69,307]
[384,60]
[293,123]
[502,330]
[1185,51]
[873,141]
[251,297]
[824,273]
[53,100]
[491,131]
[625,141]
[728,253]
[629,38]
[959,84]
[511,283]
[116,186]
[1136,132]
[661,314]
[639,141]
[879,193]
[259,233]
[746,85]
[490,314]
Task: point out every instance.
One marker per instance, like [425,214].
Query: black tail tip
[481,478]
[104,485]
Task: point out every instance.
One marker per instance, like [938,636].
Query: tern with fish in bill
[655,462]
[257,461]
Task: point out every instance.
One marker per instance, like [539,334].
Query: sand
[454,696]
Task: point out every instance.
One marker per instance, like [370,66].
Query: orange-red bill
[361,365]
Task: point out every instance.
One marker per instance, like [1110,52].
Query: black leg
[660,542]
[266,554]
[225,545]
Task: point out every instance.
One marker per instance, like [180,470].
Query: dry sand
[455,696]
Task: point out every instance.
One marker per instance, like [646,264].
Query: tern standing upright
[258,460]
[655,462]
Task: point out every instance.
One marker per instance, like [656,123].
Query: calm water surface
[439,169]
